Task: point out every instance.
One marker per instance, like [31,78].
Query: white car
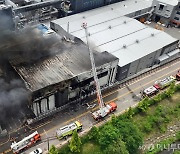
[37,151]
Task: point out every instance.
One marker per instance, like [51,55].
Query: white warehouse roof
[123,37]
[118,9]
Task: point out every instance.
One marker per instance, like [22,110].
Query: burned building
[65,76]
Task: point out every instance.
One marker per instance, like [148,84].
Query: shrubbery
[121,135]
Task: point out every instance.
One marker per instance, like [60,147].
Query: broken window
[161,7]
[176,18]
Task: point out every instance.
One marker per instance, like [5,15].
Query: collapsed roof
[72,60]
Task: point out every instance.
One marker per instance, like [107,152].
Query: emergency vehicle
[178,76]
[104,109]
[68,130]
[26,142]
[164,83]
[150,91]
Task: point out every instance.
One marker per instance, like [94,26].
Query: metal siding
[122,72]
[34,105]
[103,81]
[44,105]
[158,53]
[51,102]
[107,2]
[82,5]
[132,68]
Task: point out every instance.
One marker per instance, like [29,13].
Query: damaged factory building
[65,77]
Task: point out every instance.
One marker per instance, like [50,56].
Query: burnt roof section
[66,64]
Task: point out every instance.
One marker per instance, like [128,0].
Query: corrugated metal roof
[104,14]
[70,62]
[124,37]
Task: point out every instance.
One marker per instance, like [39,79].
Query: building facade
[167,12]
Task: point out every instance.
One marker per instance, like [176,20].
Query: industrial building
[167,11]
[136,45]
[62,78]
[122,48]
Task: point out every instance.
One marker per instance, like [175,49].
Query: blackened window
[176,18]
[178,12]
[161,7]
[102,74]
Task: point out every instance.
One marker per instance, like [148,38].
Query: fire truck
[68,130]
[26,142]
[104,110]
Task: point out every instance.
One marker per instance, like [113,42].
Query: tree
[143,105]
[108,135]
[53,150]
[130,113]
[75,142]
[130,134]
[171,90]
[94,134]
[117,148]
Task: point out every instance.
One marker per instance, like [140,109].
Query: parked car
[37,151]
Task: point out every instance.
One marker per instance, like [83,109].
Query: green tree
[108,135]
[171,90]
[117,148]
[53,150]
[130,134]
[130,113]
[94,134]
[75,142]
[143,105]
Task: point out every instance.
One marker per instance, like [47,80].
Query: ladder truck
[104,110]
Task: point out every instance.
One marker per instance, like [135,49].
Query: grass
[169,104]
[91,148]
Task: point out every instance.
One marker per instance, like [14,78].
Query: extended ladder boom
[98,90]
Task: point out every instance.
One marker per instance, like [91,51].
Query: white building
[135,45]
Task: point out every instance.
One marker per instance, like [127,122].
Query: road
[126,96]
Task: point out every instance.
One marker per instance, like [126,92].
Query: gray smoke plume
[28,44]
[12,96]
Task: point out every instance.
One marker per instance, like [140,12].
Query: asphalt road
[126,96]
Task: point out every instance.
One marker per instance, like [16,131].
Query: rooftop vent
[137,41]
[124,46]
[89,34]
[135,1]
[152,34]
[125,22]
[109,27]
[112,9]
[84,17]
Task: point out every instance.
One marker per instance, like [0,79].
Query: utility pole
[47,138]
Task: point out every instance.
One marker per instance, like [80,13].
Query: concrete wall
[164,10]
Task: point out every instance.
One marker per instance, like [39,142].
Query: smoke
[12,95]
[29,45]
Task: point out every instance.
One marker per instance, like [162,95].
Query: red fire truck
[26,142]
